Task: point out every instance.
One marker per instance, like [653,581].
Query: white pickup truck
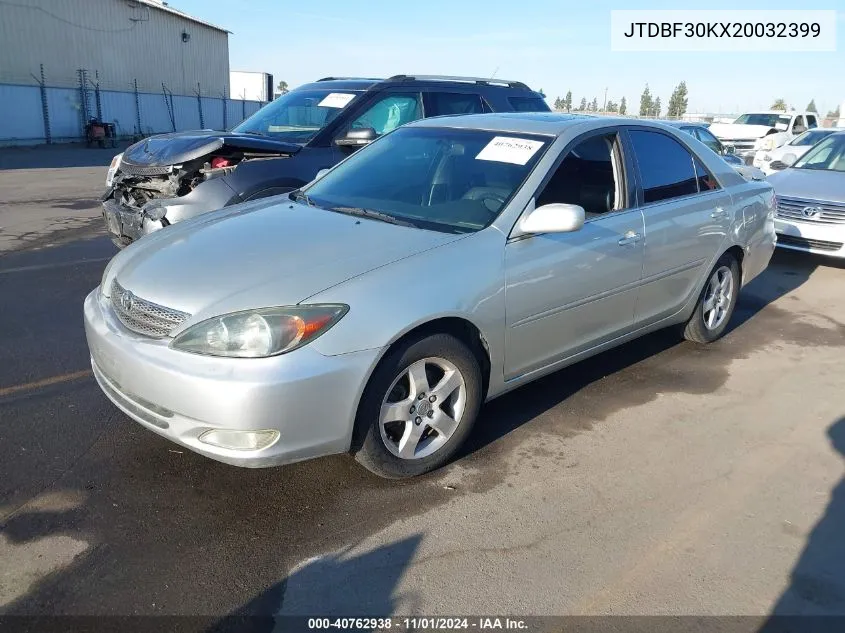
[756,131]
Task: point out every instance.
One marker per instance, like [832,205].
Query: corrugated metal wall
[118,43]
[122,41]
[22,120]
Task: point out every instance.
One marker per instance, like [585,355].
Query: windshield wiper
[373,215]
[297,195]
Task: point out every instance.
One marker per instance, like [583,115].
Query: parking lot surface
[659,478]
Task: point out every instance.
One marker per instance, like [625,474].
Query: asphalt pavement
[659,478]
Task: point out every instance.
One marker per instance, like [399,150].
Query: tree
[583,105]
[833,114]
[678,101]
[646,104]
[623,106]
[811,107]
[594,106]
[611,107]
[283,88]
[542,94]
[656,107]
[567,101]
[779,104]
[558,104]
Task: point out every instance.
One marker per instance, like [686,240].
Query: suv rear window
[529,104]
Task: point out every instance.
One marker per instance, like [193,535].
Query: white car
[756,131]
[780,158]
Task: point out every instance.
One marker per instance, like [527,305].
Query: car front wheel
[418,408]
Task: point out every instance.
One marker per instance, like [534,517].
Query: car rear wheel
[717,302]
[418,408]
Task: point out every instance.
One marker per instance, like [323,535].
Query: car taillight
[219,161]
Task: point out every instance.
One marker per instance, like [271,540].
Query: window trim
[639,185]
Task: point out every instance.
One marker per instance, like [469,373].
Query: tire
[708,321]
[426,432]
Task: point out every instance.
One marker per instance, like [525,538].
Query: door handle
[631,237]
[719,212]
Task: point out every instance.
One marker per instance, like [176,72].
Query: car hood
[179,147]
[798,150]
[731,131]
[260,254]
[810,184]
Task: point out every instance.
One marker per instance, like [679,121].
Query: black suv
[171,177]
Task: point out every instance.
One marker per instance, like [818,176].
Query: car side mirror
[357,137]
[789,159]
[553,218]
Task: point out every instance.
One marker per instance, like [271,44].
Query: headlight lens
[115,164]
[259,333]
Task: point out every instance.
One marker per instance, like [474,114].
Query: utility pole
[604,107]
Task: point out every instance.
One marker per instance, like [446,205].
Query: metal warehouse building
[120,40]
[140,64]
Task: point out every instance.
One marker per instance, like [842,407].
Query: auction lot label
[723,31]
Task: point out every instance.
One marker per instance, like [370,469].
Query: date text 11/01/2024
[418,624]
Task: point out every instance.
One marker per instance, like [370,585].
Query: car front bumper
[809,237]
[308,398]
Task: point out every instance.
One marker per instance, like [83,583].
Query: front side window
[389,112]
[443,179]
[828,155]
[298,115]
[590,176]
[798,127]
[444,103]
[666,168]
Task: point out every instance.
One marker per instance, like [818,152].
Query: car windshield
[769,120]
[297,116]
[828,155]
[810,137]
[443,179]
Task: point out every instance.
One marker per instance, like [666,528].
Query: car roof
[546,123]
[365,83]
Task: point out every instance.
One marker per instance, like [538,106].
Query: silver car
[811,200]
[375,310]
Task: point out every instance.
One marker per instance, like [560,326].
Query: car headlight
[766,144]
[259,333]
[113,167]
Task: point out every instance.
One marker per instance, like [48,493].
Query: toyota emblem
[127,299]
[811,213]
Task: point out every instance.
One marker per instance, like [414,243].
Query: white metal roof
[163,6]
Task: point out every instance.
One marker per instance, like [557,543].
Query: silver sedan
[453,260]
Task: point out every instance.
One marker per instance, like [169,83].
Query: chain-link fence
[53,110]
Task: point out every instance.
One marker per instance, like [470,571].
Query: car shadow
[656,352]
[331,586]
[816,588]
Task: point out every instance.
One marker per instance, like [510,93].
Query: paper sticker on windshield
[336,100]
[506,149]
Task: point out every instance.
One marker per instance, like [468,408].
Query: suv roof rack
[350,79]
[488,81]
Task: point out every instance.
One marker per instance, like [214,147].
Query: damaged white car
[763,131]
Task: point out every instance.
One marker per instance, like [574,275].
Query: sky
[553,45]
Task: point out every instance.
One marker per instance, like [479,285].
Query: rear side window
[454,103]
[811,122]
[528,104]
[666,168]
[706,181]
